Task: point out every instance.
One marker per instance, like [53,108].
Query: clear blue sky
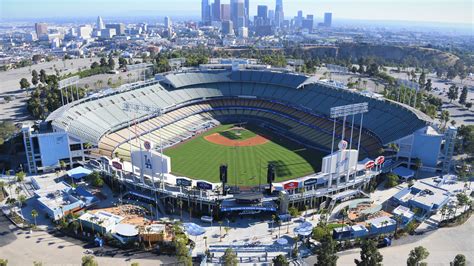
[452,11]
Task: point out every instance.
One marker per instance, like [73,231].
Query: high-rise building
[100,23]
[237,13]
[41,29]
[279,13]
[108,33]
[327,19]
[119,28]
[167,22]
[216,10]
[84,32]
[227,27]
[247,12]
[225,12]
[243,32]
[262,12]
[205,12]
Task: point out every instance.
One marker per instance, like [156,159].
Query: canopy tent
[194,229]
[304,229]
[282,241]
[404,172]
[79,172]
[126,230]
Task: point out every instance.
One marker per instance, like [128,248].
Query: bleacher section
[192,98]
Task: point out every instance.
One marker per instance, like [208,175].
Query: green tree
[34,214]
[3,262]
[24,84]
[111,62]
[417,255]
[326,254]
[369,255]
[418,165]
[391,180]
[89,261]
[453,93]
[43,76]
[122,62]
[230,257]
[280,260]
[445,117]
[459,260]
[103,62]
[463,96]
[37,263]
[34,77]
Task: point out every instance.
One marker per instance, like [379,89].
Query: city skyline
[442,11]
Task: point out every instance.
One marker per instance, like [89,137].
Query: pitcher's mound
[217,138]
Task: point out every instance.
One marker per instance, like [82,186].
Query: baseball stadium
[245,118]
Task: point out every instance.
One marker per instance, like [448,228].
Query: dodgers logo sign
[147,162]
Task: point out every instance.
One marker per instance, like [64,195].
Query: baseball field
[246,151]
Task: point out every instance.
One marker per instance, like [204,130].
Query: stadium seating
[191,99]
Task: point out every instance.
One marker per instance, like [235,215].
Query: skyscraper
[216,10]
[247,12]
[237,13]
[167,22]
[327,19]
[100,23]
[225,12]
[205,12]
[279,14]
[41,29]
[262,12]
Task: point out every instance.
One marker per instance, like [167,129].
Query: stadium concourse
[179,106]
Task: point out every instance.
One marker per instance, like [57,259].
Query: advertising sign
[340,161]
[369,165]
[290,185]
[117,165]
[150,163]
[311,182]
[204,185]
[183,182]
[380,160]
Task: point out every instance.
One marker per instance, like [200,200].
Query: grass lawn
[200,159]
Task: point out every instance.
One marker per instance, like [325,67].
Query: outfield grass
[200,159]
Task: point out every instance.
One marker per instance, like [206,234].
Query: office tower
[262,12]
[279,14]
[167,22]
[84,32]
[225,12]
[41,29]
[216,10]
[243,32]
[327,19]
[298,20]
[237,13]
[227,27]
[100,23]
[205,12]
[308,23]
[108,33]
[247,12]
[118,27]
[271,17]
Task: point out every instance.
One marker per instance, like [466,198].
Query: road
[22,248]
[443,244]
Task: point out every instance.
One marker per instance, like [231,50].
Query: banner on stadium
[150,163]
[340,162]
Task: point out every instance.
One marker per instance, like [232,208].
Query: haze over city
[446,11]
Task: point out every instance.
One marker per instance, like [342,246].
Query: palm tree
[418,165]
[205,242]
[220,230]
[444,210]
[273,220]
[180,204]
[34,214]
[344,213]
